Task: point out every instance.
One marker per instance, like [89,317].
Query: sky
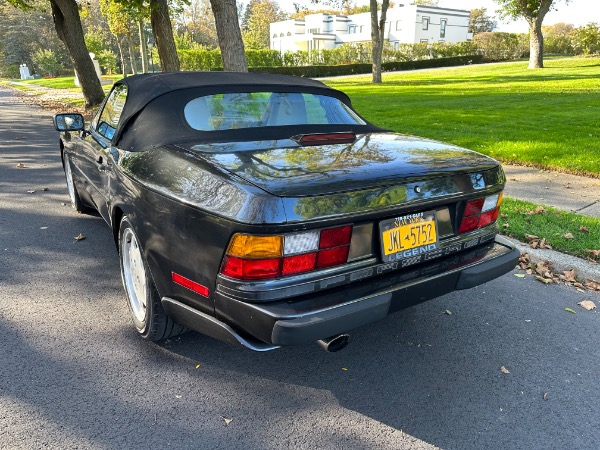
[577,12]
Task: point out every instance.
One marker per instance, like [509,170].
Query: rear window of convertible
[265,109]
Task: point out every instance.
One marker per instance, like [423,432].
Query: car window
[109,118]
[264,109]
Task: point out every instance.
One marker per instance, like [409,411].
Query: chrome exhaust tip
[334,343]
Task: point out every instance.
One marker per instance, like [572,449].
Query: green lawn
[65,82]
[548,118]
[551,224]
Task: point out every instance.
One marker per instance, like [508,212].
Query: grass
[63,82]
[545,118]
[551,224]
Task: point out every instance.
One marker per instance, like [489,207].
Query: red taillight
[480,212]
[335,237]
[300,253]
[332,257]
[299,263]
[251,269]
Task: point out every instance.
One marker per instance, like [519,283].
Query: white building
[405,24]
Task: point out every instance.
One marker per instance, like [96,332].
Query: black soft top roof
[144,89]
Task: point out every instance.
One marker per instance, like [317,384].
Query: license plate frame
[408,236]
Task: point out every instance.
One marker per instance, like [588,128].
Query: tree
[558,38]
[586,39]
[256,22]
[480,22]
[163,33]
[230,35]
[377,36]
[47,62]
[425,2]
[533,11]
[198,21]
[67,23]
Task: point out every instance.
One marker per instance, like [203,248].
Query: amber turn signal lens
[255,247]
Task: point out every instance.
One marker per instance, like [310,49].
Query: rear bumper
[312,317]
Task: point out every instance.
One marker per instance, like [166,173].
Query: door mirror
[69,122]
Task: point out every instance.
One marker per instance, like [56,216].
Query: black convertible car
[264,211]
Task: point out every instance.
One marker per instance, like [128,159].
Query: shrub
[498,46]
[47,62]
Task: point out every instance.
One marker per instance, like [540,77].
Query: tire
[149,317]
[76,202]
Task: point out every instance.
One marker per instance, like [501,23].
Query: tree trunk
[131,54]
[163,34]
[143,46]
[377,37]
[536,45]
[67,23]
[122,55]
[230,35]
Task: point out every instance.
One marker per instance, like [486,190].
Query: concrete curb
[560,261]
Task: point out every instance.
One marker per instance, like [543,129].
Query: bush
[586,39]
[352,69]
[498,46]
[47,62]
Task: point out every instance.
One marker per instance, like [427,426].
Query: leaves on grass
[537,242]
[505,225]
[20,166]
[80,237]
[584,229]
[593,253]
[504,370]
[568,236]
[537,210]
[570,310]
[588,305]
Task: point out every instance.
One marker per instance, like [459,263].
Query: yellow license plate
[400,236]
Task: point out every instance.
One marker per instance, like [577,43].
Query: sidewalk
[563,191]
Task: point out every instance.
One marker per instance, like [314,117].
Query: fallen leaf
[504,370]
[43,228]
[568,236]
[594,253]
[513,179]
[520,275]
[79,237]
[569,275]
[344,369]
[531,237]
[504,216]
[197,366]
[448,312]
[584,229]
[592,285]
[505,225]
[539,210]
[528,321]
[45,189]
[226,420]
[545,396]
[570,310]
[543,280]
[178,396]
[20,166]
[588,305]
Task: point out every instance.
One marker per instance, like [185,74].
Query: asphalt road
[73,373]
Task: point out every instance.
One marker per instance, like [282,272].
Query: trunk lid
[286,169]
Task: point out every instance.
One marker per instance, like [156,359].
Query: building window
[397,25]
[352,29]
[281,35]
[443,23]
[275,36]
[289,34]
[362,28]
[314,30]
[425,23]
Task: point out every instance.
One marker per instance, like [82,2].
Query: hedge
[352,69]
